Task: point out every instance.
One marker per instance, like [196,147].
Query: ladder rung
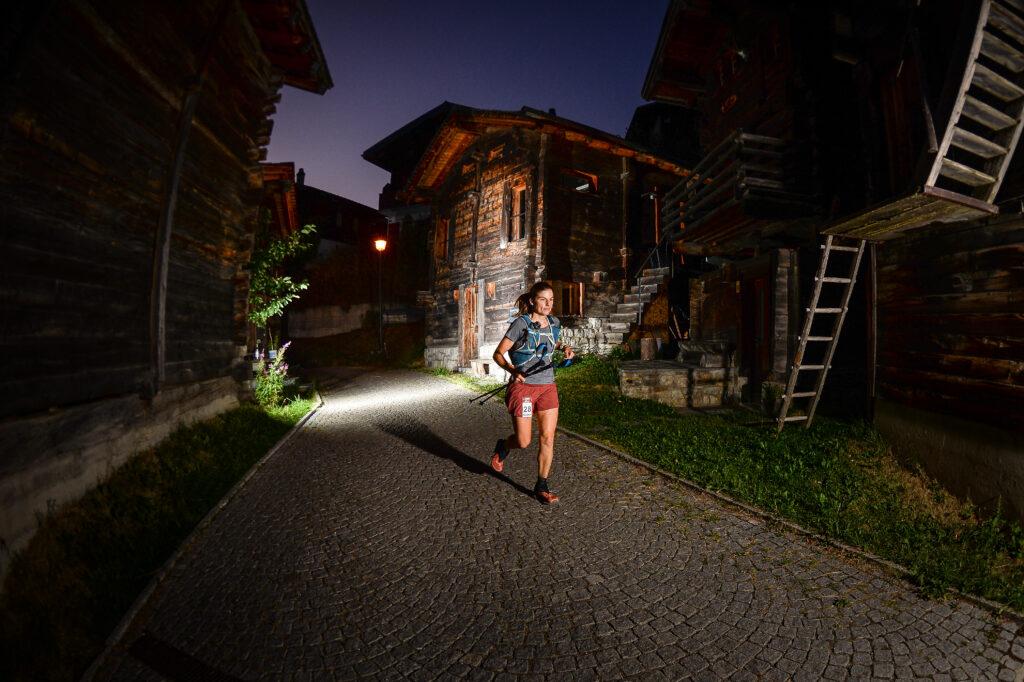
[976,144]
[854,249]
[804,394]
[803,367]
[965,174]
[828,310]
[987,115]
[1001,52]
[1007,21]
[991,82]
[799,418]
[837,280]
[819,338]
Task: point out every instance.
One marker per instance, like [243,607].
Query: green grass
[838,478]
[81,572]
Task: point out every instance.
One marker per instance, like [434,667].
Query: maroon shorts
[542,397]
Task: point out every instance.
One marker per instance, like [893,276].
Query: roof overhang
[463,126]
[690,39]
[289,41]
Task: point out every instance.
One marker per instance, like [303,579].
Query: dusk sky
[394,60]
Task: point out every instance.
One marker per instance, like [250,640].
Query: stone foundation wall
[56,457]
[583,334]
[441,356]
[680,385]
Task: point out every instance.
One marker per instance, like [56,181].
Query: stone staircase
[619,324]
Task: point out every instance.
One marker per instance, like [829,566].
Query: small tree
[270,291]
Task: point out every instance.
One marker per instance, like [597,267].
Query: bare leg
[522,433]
[548,420]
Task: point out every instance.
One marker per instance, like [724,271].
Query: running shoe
[497,459]
[546,496]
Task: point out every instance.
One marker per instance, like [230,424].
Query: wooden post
[162,248]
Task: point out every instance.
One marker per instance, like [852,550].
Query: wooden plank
[1007,21]
[1001,52]
[991,82]
[987,115]
[965,174]
[977,145]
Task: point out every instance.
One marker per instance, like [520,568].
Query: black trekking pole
[537,356]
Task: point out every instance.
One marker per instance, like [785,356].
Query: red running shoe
[547,497]
[500,453]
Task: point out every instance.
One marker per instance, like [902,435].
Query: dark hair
[525,302]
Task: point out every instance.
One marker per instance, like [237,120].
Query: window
[441,239]
[578,181]
[568,298]
[496,152]
[517,222]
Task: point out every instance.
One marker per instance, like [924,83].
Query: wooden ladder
[821,278]
[988,113]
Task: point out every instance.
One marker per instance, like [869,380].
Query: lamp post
[380,244]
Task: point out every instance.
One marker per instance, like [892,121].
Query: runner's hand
[517,376]
[569,352]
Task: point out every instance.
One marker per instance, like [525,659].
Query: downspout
[162,247]
[535,265]
[477,200]
[627,182]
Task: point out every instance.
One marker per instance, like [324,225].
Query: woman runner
[530,341]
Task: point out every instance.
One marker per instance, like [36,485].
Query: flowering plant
[270,376]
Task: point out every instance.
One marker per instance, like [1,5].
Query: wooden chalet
[857,213]
[130,183]
[521,196]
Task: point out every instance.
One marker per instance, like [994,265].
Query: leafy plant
[269,383]
[270,291]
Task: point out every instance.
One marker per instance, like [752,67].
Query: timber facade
[130,178]
[518,197]
[890,129]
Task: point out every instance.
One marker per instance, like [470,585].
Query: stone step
[636,298]
[644,289]
[656,272]
[614,338]
[622,317]
[628,308]
[656,280]
[618,327]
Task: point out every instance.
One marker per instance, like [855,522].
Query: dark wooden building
[130,184]
[516,197]
[887,125]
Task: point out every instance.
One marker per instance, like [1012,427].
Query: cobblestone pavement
[378,544]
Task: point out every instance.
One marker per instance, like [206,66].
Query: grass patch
[81,572]
[838,478]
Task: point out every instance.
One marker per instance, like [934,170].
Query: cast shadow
[417,433]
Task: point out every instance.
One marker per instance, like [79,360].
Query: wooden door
[756,341]
[468,348]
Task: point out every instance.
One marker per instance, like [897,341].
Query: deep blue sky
[392,60]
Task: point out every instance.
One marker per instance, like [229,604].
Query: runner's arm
[502,361]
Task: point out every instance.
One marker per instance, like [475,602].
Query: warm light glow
[380,244]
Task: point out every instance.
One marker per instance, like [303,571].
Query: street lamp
[380,244]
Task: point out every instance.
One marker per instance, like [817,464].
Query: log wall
[951,321]
[88,137]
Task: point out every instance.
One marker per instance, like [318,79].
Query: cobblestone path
[378,544]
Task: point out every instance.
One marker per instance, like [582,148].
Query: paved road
[378,544]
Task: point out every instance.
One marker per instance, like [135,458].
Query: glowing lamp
[380,244]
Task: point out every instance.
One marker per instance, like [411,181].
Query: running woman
[530,341]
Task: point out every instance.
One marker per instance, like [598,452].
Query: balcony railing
[757,176]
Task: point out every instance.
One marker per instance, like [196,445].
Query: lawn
[838,478]
[89,561]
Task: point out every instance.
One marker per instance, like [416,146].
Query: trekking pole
[484,397]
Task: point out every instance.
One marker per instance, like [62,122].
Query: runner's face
[544,301]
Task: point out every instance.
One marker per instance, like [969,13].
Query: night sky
[394,60]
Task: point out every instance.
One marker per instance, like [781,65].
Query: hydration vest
[533,339]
